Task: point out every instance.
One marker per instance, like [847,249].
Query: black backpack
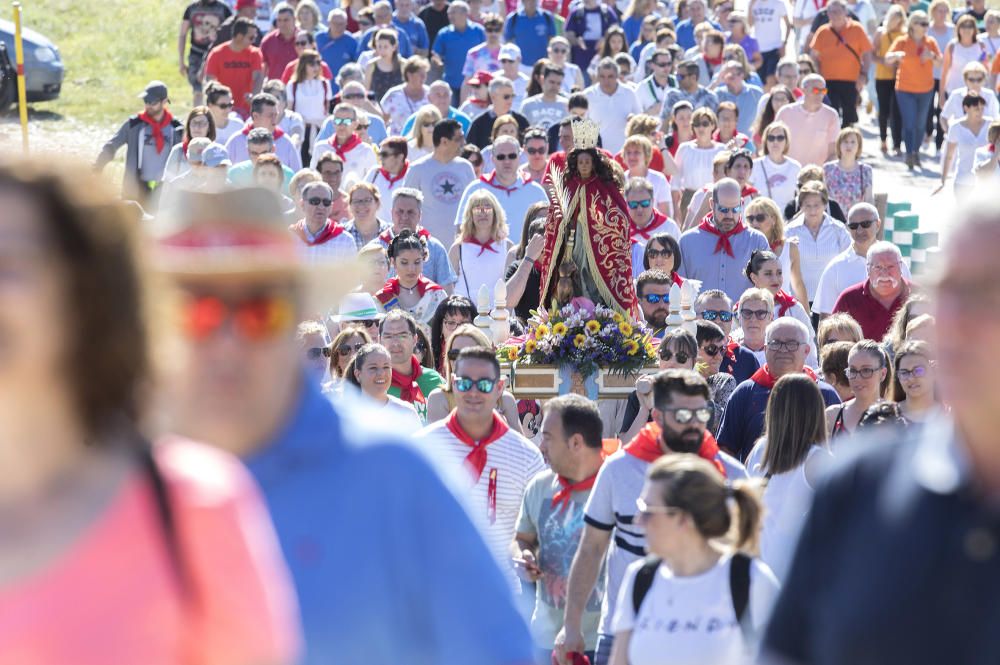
[167,521]
[739,587]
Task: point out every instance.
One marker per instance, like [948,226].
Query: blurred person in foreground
[924,563]
[114,549]
[391,596]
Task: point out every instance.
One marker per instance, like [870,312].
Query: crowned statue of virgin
[587,252]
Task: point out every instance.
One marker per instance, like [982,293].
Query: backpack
[739,588]
[168,522]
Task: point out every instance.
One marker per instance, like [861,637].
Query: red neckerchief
[992,148]
[158,127]
[775,246]
[562,496]
[784,301]
[387,235]
[743,138]
[748,190]
[392,288]
[647,231]
[763,377]
[409,391]
[277,132]
[479,102]
[646,446]
[483,246]
[712,61]
[491,181]
[678,280]
[184,146]
[731,351]
[349,145]
[723,244]
[329,232]
[476,459]
[389,177]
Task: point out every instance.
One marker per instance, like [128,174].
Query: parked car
[43,66]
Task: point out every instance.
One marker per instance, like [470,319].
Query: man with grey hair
[514,193]
[873,302]
[741,93]
[359,157]
[501,103]
[454,42]
[850,267]
[337,46]
[717,250]
[259,142]
[788,342]
[322,238]
[407,211]
[264,115]
[439,96]
[611,104]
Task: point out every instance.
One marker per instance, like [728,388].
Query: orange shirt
[912,73]
[836,62]
[995,69]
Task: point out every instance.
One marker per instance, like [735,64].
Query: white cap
[510,52]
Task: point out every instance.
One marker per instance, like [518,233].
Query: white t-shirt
[776,181]
[953,110]
[968,143]
[767,17]
[611,112]
[691,620]
[309,99]
[695,165]
[661,189]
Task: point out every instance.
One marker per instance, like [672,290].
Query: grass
[111,50]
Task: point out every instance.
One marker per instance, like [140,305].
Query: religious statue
[587,250]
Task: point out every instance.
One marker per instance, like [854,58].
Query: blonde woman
[764,215]
[479,253]
[308,19]
[775,173]
[893,26]
[421,138]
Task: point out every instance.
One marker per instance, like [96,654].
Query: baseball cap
[215,155]
[156,91]
[243,4]
[480,78]
[510,52]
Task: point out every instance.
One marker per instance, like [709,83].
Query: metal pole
[22,97]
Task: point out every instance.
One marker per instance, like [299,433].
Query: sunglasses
[354,95]
[817,91]
[917,372]
[255,318]
[755,219]
[560,50]
[922,24]
[866,224]
[343,121]
[504,158]
[864,372]
[654,298]
[701,123]
[662,64]
[386,154]
[302,43]
[647,510]
[635,205]
[318,352]
[508,96]
[658,253]
[536,151]
[682,358]
[759,314]
[463,384]
[227,105]
[725,211]
[347,350]
[316,201]
[775,138]
[684,416]
[723,315]
[713,350]
[975,79]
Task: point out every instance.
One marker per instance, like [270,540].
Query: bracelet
[530,260]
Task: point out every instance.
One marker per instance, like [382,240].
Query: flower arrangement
[585,336]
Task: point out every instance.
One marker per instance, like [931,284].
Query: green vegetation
[111,49]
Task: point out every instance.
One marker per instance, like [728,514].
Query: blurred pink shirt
[113,597]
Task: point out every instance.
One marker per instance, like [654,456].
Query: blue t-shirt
[530,33]
[415,30]
[633,28]
[405,46]
[453,46]
[337,52]
[387,564]
[685,33]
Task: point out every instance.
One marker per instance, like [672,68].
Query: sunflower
[512,353]
[541,331]
[650,350]
[593,327]
[618,318]
[625,328]
[579,341]
[530,346]
[559,329]
[632,347]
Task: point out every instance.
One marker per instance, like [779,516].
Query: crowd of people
[250,416]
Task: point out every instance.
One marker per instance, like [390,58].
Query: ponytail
[748,515]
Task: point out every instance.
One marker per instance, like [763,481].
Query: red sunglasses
[255,318]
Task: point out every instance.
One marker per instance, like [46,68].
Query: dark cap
[156,91]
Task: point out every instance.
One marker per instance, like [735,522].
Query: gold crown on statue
[585,133]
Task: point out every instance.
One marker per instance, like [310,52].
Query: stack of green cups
[891,209]
[923,241]
[904,225]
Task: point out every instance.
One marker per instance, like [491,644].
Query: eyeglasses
[864,224]
[916,373]
[536,151]
[647,510]
[316,201]
[318,352]
[505,157]
[343,121]
[775,138]
[354,95]
[922,24]
[369,323]
[227,105]
[662,63]
[493,30]
[804,72]
[298,43]
[759,314]
[713,350]
[560,50]
[362,202]
[654,298]
[667,355]
[790,345]
[883,270]
[644,203]
[817,91]
[723,315]
[463,384]
[701,123]
[386,154]
[864,372]
[684,416]
[255,318]
[725,211]
[658,253]
[975,79]
[756,219]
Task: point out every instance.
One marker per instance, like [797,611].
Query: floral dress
[847,187]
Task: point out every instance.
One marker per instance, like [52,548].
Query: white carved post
[674,320]
[500,316]
[483,320]
[688,292]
